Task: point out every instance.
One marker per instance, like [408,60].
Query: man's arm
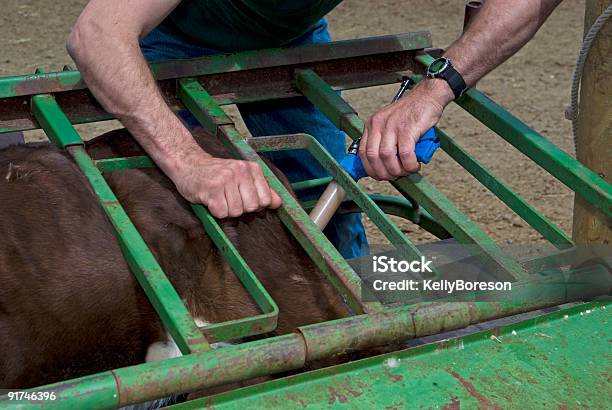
[104,44]
[501,28]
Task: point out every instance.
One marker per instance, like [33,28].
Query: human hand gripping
[387,148]
[228,187]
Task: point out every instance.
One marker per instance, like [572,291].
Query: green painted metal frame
[156,285]
[512,366]
[204,367]
[317,246]
[390,205]
[367,205]
[231,78]
[135,384]
[580,179]
[151,277]
[415,186]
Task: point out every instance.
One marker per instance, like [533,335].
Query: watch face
[437,65]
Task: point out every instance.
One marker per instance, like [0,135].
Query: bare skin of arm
[501,28]
[104,45]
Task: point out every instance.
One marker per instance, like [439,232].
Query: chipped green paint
[230,62]
[323,340]
[559,360]
[40,83]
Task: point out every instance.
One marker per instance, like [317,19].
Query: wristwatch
[443,68]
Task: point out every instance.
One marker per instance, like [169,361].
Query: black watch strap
[455,81]
[450,75]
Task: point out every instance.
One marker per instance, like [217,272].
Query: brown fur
[69,305]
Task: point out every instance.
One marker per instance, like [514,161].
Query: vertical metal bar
[558,163]
[320,250]
[414,185]
[147,271]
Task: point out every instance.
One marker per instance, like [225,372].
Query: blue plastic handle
[427,146]
[424,150]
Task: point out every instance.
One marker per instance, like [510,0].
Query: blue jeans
[286,116]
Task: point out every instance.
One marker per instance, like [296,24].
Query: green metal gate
[56,101]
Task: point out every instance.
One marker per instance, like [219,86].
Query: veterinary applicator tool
[334,194]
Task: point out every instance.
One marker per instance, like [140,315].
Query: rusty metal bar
[229,78]
[150,381]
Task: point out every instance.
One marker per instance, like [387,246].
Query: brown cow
[70,306]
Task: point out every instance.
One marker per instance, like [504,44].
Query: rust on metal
[359,63]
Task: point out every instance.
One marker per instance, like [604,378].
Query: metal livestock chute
[560,357]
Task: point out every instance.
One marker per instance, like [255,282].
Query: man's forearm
[499,30]
[120,78]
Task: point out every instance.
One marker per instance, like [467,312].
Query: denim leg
[288,116]
[298,115]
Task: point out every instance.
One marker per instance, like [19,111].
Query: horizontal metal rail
[397,206]
[524,362]
[150,381]
[229,78]
[120,164]
[317,246]
[416,186]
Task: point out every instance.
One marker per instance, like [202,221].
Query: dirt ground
[534,85]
